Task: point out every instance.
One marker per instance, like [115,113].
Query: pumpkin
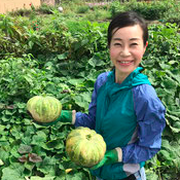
[44,109]
[85,147]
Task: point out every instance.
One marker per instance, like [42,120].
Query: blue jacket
[127,115]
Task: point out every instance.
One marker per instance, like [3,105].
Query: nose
[125,51]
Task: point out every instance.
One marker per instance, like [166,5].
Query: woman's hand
[110,157]
[67,116]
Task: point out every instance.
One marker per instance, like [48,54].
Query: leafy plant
[66,56]
[82,9]
[6,25]
[19,78]
[162,67]
[153,10]
[29,150]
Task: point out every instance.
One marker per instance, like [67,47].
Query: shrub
[149,10]
[82,9]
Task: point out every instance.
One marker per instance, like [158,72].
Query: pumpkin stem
[88,136]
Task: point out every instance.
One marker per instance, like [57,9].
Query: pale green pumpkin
[44,109]
[85,147]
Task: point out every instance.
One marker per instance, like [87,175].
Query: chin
[126,69]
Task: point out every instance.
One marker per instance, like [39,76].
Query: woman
[125,108]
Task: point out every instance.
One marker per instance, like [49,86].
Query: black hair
[125,19]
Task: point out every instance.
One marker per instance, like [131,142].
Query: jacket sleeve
[150,114]
[89,120]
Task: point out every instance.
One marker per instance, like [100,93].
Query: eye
[117,44]
[134,44]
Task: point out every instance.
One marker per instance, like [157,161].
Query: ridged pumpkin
[85,147]
[44,109]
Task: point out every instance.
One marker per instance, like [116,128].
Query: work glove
[66,116]
[110,157]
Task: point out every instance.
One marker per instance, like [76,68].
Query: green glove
[110,157]
[66,116]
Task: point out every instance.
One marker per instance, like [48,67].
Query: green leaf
[26,140]
[14,171]
[83,100]
[5,119]
[57,144]
[30,43]
[169,84]
[16,132]
[75,82]
[4,154]
[23,149]
[14,152]
[96,61]
[166,154]
[47,166]
[151,175]
[62,56]
[39,150]
[2,128]
[76,176]
[39,139]
[42,178]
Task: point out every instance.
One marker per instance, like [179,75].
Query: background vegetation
[61,54]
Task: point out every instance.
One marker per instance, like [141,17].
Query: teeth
[125,62]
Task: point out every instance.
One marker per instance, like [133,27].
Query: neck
[120,77]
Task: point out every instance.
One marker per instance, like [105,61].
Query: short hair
[125,19]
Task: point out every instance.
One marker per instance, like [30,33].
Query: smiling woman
[125,108]
[126,50]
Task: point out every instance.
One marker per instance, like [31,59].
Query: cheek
[139,54]
[113,53]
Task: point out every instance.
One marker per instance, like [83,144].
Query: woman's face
[127,49]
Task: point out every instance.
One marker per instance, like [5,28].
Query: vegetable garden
[43,51]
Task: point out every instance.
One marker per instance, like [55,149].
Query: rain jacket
[128,115]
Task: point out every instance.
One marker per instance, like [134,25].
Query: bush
[173,13]
[83,9]
[149,10]
[19,78]
[46,9]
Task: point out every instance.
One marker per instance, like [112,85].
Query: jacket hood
[134,79]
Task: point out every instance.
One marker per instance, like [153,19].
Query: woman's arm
[150,114]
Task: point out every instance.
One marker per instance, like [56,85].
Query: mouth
[125,63]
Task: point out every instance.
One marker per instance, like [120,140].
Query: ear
[145,46]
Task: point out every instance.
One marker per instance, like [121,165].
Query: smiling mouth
[125,63]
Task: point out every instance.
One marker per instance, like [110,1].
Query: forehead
[129,32]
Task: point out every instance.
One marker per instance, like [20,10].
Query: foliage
[173,14]
[46,9]
[161,64]
[151,10]
[163,69]
[31,151]
[19,79]
[63,58]
[82,9]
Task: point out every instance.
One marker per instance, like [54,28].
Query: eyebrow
[132,39]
